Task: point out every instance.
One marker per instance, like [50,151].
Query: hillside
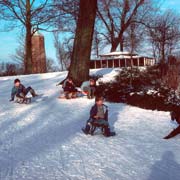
[43,140]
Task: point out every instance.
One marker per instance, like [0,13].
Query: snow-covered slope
[43,140]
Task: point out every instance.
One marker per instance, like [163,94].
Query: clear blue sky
[9,40]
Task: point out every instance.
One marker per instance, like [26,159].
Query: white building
[121,59]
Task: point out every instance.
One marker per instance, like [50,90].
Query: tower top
[37,33]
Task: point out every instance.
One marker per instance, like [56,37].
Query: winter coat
[69,87]
[94,111]
[17,90]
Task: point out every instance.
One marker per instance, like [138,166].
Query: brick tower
[38,54]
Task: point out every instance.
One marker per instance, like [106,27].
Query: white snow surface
[43,140]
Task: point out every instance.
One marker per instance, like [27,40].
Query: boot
[86,129]
[107,131]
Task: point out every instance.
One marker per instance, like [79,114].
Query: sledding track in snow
[43,140]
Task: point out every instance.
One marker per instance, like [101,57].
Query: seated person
[89,88]
[70,90]
[175,117]
[20,92]
[98,116]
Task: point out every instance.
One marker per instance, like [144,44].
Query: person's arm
[93,113]
[13,93]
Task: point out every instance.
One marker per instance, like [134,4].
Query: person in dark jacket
[70,89]
[175,116]
[98,116]
[19,90]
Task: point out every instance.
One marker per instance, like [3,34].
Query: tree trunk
[80,62]
[121,45]
[114,46]
[28,48]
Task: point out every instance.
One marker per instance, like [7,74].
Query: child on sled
[70,90]
[19,92]
[98,118]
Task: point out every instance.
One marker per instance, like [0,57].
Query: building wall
[115,63]
[38,54]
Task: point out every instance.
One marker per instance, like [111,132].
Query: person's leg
[88,126]
[102,122]
[68,95]
[31,90]
[27,90]
[105,125]
[93,92]
[89,92]
[74,94]
[174,133]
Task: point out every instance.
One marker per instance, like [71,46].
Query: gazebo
[121,59]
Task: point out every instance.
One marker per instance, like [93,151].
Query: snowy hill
[43,140]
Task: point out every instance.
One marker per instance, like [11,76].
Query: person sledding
[19,92]
[175,118]
[98,118]
[89,88]
[69,88]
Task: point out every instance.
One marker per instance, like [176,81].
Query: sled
[110,134]
[23,100]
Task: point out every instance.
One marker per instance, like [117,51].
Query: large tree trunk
[80,62]
[28,48]
[114,46]
[121,45]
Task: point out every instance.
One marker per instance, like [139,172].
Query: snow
[43,140]
[117,53]
[107,74]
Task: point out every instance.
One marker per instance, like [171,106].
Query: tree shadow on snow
[33,142]
[165,169]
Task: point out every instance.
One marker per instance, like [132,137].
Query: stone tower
[38,54]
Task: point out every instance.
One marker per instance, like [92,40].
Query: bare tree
[80,62]
[51,67]
[33,15]
[63,50]
[164,34]
[117,16]
[19,55]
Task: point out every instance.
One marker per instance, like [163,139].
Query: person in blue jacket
[19,90]
[98,116]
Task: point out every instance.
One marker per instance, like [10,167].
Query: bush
[140,88]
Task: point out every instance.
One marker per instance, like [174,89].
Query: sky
[9,40]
